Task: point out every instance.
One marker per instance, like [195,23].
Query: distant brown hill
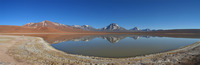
[20,29]
[54,25]
[41,27]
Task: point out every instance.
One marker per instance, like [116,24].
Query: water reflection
[58,38]
[117,46]
[127,45]
[110,38]
[136,37]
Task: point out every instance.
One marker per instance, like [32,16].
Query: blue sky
[153,14]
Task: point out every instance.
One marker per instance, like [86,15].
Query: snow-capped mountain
[146,29]
[85,27]
[113,27]
[77,26]
[135,29]
[110,28]
[54,25]
[45,23]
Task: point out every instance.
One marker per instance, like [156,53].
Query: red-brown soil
[42,27]
[20,29]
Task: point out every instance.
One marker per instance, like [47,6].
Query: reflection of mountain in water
[110,38]
[136,37]
[53,39]
[58,38]
[113,39]
[146,36]
[85,38]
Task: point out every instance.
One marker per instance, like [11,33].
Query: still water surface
[118,46]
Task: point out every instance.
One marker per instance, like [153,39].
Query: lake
[121,46]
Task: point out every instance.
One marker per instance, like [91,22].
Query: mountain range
[52,27]
[113,27]
[49,24]
[41,27]
[85,27]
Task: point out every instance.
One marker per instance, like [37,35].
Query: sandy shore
[21,50]
[5,43]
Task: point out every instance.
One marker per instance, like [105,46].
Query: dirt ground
[5,44]
[20,50]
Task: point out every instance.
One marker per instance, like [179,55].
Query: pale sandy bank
[21,50]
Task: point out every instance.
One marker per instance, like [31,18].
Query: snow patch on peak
[43,21]
[86,25]
[135,28]
[76,26]
[44,24]
[30,24]
[57,24]
[117,25]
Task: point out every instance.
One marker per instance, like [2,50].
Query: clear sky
[153,14]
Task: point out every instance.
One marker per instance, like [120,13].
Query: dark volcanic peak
[114,39]
[135,29]
[113,27]
[146,29]
[87,26]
